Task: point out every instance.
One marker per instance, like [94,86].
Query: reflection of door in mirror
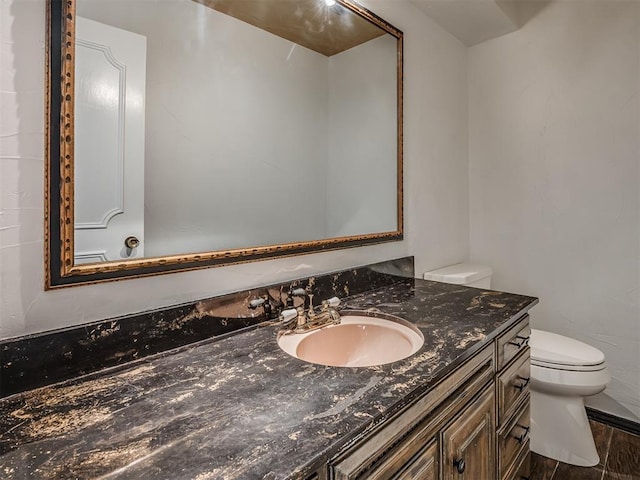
[251,139]
[109,142]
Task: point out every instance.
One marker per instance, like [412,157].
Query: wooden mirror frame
[60,270]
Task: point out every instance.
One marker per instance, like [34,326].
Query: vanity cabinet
[473,425]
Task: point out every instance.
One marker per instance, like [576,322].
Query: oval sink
[358,341]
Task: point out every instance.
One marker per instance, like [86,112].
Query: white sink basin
[358,341]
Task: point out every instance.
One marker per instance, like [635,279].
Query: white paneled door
[109,142]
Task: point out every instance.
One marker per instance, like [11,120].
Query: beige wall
[555,174]
[436,205]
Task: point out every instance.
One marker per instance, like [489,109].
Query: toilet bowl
[563,372]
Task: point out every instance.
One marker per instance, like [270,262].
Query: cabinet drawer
[513,440]
[513,386]
[513,341]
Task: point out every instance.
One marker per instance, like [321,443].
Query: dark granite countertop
[239,407]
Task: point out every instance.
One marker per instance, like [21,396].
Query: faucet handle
[332,302]
[264,302]
[256,302]
[307,298]
[289,314]
[297,292]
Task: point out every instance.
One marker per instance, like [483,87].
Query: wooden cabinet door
[469,442]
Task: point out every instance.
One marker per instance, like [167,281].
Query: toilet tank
[467,274]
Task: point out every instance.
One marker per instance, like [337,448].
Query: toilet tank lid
[557,349]
[460,273]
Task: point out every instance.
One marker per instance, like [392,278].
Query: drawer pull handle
[460,465]
[522,438]
[521,386]
[520,341]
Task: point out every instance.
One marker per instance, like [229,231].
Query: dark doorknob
[521,386]
[460,465]
[131,242]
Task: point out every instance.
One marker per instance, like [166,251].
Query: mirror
[192,133]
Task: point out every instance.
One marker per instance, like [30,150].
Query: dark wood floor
[619,459]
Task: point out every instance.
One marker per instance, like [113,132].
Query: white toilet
[563,372]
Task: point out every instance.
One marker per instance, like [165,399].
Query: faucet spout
[308,320]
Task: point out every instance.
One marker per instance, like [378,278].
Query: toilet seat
[569,382]
[550,350]
[569,368]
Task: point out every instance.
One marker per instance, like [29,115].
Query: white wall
[554,174]
[436,210]
[436,175]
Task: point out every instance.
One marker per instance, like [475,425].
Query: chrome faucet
[299,320]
